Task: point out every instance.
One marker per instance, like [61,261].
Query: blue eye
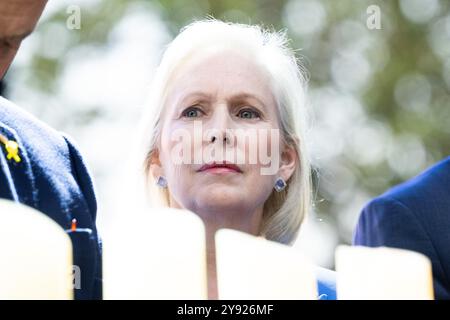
[248,114]
[191,112]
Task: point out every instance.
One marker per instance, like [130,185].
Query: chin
[221,197]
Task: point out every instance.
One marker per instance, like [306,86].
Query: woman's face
[210,98]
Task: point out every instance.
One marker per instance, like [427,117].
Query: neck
[211,264]
[248,221]
[211,227]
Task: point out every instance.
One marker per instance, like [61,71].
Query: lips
[220,167]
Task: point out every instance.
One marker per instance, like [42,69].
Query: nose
[221,125]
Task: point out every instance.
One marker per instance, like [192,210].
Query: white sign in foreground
[250,267]
[382,273]
[154,255]
[36,255]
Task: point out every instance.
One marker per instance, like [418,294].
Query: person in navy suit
[415,216]
[42,168]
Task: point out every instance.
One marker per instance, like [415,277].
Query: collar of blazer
[15,168]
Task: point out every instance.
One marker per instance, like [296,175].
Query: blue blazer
[416,216]
[52,178]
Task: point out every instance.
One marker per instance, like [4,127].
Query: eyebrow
[244,95]
[12,40]
[235,97]
[195,94]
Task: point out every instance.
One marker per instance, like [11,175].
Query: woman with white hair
[234,92]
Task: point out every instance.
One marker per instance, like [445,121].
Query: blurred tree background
[380,98]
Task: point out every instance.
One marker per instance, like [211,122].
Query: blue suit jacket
[53,179]
[416,216]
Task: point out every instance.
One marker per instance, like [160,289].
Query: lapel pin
[12,148]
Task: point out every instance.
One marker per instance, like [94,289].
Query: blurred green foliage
[398,75]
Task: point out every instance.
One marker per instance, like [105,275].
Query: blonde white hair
[283,211]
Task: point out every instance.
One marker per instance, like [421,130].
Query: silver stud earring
[162,182]
[280,184]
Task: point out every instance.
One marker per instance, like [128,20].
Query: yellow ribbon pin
[12,149]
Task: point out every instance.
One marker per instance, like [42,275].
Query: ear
[289,161]
[155,167]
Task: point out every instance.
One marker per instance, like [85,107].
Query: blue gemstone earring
[162,182]
[280,184]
